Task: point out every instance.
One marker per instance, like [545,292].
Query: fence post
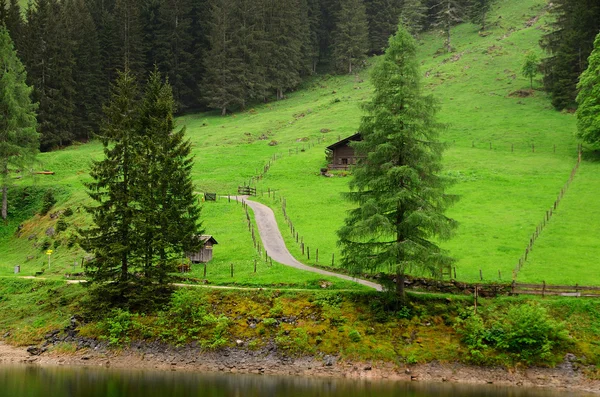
[455,272]
[317,256]
[204,269]
[308,252]
[232,270]
[543,288]
[302,247]
[255,266]
[480,275]
[332,259]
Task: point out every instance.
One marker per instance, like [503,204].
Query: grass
[509,156]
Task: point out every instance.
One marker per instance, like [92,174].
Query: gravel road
[275,246]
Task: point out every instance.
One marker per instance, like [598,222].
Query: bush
[48,202]
[68,212]
[354,336]
[61,225]
[525,332]
[45,244]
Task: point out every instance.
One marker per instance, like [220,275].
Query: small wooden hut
[205,254]
[341,155]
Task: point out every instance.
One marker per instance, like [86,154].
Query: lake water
[32,381]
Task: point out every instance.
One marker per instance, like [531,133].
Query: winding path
[275,246]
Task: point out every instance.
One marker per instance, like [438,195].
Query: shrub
[48,202]
[61,225]
[45,244]
[354,336]
[68,212]
[526,332]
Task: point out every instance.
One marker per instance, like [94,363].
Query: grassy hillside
[510,156]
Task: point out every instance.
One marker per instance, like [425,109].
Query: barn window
[344,161]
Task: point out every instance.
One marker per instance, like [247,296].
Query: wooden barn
[206,253]
[341,155]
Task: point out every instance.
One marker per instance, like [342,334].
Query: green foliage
[68,212]
[269,322]
[525,332]
[354,336]
[61,225]
[18,137]
[588,112]
[117,326]
[48,202]
[351,36]
[397,187]
[530,67]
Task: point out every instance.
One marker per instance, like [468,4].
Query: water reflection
[32,381]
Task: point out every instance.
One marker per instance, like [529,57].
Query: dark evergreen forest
[228,54]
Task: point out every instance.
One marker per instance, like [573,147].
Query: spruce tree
[568,45]
[167,219]
[412,16]
[398,187]
[14,22]
[447,14]
[588,99]
[351,36]
[478,12]
[19,140]
[383,21]
[112,238]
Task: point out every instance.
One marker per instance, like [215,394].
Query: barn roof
[355,137]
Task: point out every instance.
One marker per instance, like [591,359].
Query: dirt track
[275,246]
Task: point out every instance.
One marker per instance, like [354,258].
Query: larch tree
[350,36]
[19,140]
[588,99]
[530,68]
[398,188]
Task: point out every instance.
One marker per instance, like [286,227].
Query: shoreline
[564,377]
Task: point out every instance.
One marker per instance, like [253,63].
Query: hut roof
[355,137]
[207,238]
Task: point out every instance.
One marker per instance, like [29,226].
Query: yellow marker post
[49,253]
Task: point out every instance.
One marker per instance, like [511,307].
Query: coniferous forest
[226,55]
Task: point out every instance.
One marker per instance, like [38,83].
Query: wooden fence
[540,227]
[555,290]
[247,190]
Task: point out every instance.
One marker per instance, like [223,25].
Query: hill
[509,152]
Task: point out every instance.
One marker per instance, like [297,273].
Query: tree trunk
[223,111]
[5,204]
[400,293]
[350,67]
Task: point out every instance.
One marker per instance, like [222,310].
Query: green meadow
[509,154]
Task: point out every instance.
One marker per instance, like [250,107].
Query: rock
[273,143]
[239,343]
[325,130]
[329,361]
[6,335]
[414,378]
[35,351]
[50,231]
[368,368]
[85,358]
[31,237]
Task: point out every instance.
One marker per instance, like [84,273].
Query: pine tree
[19,140]
[155,31]
[48,56]
[588,99]
[130,48]
[14,22]
[383,20]
[168,214]
[351,35]
[447,14]
[478,12]
[221,87]
[412,16]
[112,238]
[568,44]
[88,93]
[397,187]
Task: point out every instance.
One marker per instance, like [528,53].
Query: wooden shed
[205,254]
[341,155]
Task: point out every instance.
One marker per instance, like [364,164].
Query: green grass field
[509,156]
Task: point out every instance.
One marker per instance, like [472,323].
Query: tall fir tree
[88,93]
[167,219]
[351,36]
[222,63]
[478,12]
[568,45]
[130,48]
[14,22]
[398,188]
[383,21]
[412,16]
[111,238]
[588,99]
[48,56]
[447,14]
[19,140]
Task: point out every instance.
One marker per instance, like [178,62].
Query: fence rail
[555,290]
[247,190]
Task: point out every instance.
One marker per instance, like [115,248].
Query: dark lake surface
[32,381]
